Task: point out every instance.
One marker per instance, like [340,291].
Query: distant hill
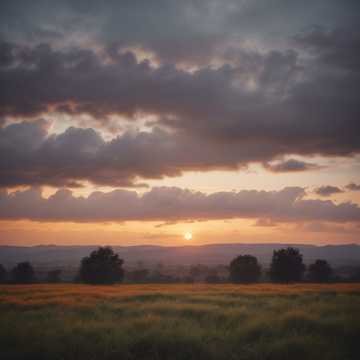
[337,255]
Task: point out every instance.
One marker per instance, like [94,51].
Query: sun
[188,236]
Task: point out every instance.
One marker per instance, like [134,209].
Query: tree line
[103,266]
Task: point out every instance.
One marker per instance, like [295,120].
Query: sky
[137,122]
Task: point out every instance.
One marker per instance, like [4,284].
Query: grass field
[180,322]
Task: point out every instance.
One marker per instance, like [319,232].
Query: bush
[287,265]
[245,269]
[23,273]
[103,266]
[320,271]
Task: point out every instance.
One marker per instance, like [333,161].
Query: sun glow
[188,236]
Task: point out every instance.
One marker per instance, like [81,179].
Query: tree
[53,276]
[3,274]
[103,266]
[245,269]
[320,271]
[287,265]
[23,273]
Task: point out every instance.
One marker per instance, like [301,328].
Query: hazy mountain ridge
[212,254]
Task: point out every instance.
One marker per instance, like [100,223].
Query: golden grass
[180,322]
[87,295]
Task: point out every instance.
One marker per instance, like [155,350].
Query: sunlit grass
[180,321]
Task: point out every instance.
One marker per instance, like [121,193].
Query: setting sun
[188,236]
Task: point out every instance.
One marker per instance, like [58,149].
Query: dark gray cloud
[174,30]
[312,116]
[272,94]
[291,165]
[31,156]
[81,81]
[328,190]
[339,47]
[172,204]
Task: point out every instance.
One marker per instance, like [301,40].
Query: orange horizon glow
[29,233]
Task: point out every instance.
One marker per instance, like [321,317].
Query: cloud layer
[226,84]
[173,204]
[29,155]
[259,99]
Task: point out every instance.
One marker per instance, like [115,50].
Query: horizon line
[179,246]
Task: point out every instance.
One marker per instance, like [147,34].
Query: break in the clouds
[174,204]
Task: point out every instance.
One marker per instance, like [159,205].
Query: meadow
[264,321]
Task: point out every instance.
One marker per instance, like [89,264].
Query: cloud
[353,187]
[323,227]
[223,89]
[328,190]
[268,103]
[291,165]
[169,204]
[337,47]
[195,31]
[80,80]
[29,155]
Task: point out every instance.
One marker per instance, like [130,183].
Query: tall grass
[180,322]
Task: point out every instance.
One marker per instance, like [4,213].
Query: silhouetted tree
[53,276]
[320,271]
[3,274]
[287,265]
[244,269]
[23,273]
[103,266]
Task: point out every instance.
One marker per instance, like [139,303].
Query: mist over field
[215,254]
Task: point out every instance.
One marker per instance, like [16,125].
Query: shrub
[244,269]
